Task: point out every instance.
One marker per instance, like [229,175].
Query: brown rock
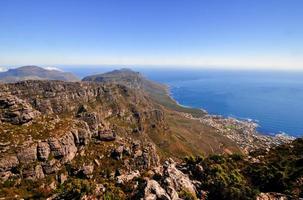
[106,135]
[16,111]
[43,150]
[62,178]
[28,154]
[87,171]
[7,163]
[33,172]
[271,196]
[117,153]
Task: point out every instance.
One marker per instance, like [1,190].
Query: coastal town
[242,132]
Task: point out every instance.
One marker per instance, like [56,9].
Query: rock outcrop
[92,141]
[16,111]
[272,196]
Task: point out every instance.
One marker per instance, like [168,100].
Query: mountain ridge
[158,92]
[109,140]
[32,72]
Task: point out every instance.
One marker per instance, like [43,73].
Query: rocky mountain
[113,140]
[35,73]
[52,129]
[135,80]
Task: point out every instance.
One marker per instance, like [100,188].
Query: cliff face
[157,92]
[91,140]
[53,131]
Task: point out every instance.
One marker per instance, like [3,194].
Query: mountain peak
[32,72]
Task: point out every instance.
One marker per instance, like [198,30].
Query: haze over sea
[274,99]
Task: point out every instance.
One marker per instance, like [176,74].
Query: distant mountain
[3,69]
[135,80]
[127,77]
[35,73]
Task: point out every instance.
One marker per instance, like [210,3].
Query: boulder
[4,176]
[33,172]
[56,148]
[87,171]
[51,166]
[28,154]
[16,111]
[43,151]
[174,178]
[124,178]
[272,196]
[107,135]
[63,148]
[68,146]
[154,191]
[84,136]
[146,159]
[7,163]
[117,153]
[91,119]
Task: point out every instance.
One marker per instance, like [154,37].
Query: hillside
[135,80]
[35,73]
[92,140]
[51,129]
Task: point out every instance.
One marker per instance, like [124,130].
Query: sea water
[274,99]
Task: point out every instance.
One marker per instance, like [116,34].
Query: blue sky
[224,33]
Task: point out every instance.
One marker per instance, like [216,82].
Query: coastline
[242,131]
[170,95]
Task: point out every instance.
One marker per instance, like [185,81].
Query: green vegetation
[237,177]
[184,194]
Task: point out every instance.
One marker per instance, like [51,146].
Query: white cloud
[3,69]
[278,62]
[53,68]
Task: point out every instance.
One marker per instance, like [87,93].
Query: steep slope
[35,73]
[135,80]
[87,140]
[53,132]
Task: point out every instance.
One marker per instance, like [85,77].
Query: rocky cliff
[90,140]
[53,132]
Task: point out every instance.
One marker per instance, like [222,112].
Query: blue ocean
[274,99]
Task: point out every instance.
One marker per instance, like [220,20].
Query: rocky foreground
[85,140]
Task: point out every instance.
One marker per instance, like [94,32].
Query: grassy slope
[162,97]
[185,136]
[189,137]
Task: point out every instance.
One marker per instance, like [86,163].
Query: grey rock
[154,191]
[123,178]
[15,110]
[176,179]
[63,148]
